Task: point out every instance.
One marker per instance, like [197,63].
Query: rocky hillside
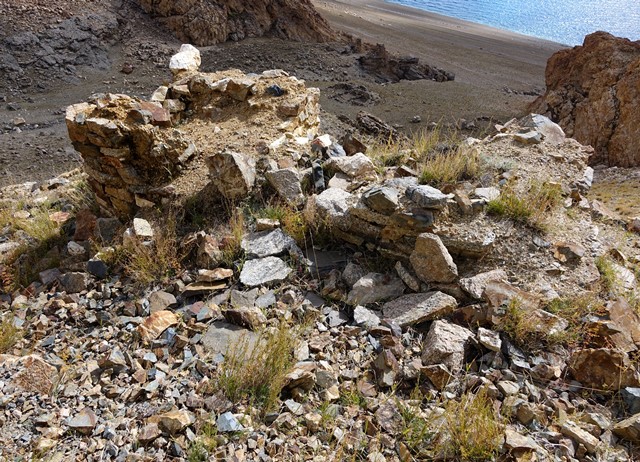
[210,21]
[263,292]
[592,92]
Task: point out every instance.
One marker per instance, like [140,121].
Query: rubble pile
[427,326]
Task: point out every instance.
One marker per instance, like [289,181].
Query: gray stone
[330,208]
[409,279]
[227,422]
[232,173]
[375,287]
[386,368]
[514,441]
[97,268]
[74,283]
[49,276]
[352,273]
[220,336]
[508,388]
[431,260]
[381,199]
[264,271]
[427,197]
[115,359]
[489,339]
[446,344]
[532,137]
[356,166]
[551,131]
[142,228]
[250,317]
[476,285]
[364,317]
[631,397]
[486,194]
[413,309]
[286,182]
[161,300]
[268,243]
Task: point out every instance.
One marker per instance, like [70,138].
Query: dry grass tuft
[258,374]
[470,429]
[155,261]
[9,335]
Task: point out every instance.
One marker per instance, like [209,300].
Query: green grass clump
[257,374]
[608,277]
[291,219]
[530,207]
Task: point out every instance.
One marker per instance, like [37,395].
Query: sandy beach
[496,70]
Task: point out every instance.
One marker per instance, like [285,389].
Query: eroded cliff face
[207,22]
[593,92]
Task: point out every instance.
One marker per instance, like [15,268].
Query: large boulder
[216,21]
[593,92]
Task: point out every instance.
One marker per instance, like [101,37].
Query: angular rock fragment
[156,324]
[268,243]
[375,287]
[264,271]
[232,173]
[286,182]
[446,344]
[431,260]
[187,59]
[412,309]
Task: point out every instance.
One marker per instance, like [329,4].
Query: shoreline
[446,42]
[469,23]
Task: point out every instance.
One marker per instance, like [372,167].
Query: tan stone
[156,324]
[431,260]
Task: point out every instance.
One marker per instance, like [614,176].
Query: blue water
[563,21]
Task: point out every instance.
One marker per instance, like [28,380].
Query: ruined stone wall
[136,151]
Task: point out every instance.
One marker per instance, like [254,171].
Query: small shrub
[574,310]
[258,374]
[9,336]
[470,429]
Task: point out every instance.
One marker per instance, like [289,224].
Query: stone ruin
[138,153]
[235,132]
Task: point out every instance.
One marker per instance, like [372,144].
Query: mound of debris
[214,21]
[390,68]
[592,92]
[138,152]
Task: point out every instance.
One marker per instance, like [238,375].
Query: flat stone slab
[264,271]
[268,243]
[222,335]
[417,308]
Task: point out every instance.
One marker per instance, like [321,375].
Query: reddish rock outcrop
[207,22]
[593,92]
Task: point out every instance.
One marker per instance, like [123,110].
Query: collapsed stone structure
[135,152]
[592,92]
